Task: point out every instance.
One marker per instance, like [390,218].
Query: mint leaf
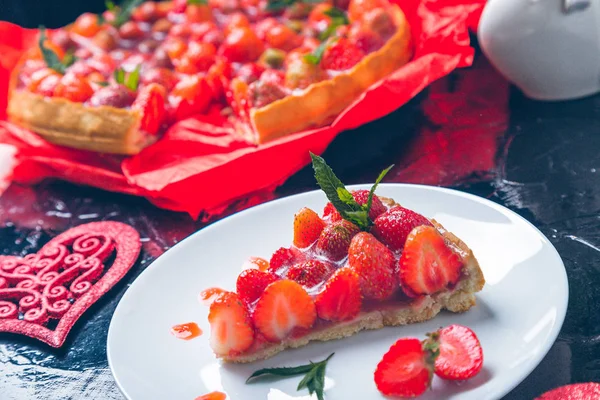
[133,79]
[274,5]
[338,18]
[110,5]
[317,54]
[197,2]
[314,380]
[50,57]
[119,76]
[123,12]
[377,181]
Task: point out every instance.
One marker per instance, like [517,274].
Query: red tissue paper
[200,165]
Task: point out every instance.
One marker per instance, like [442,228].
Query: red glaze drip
[186,331]
[209,295]
[212,396]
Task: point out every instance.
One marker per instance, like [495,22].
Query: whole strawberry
[341,55]
[374,264]
[335,240]
[252,282]
[310,273]
[284,257]
[307,227]
[393,226]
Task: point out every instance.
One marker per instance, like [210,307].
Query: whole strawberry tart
[114,82]
[366,262]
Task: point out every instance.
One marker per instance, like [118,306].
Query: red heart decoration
[54,287]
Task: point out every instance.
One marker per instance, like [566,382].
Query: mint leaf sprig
[274,5]
[123,11]
[341,198]
[314,378]
[130,80]
[338,18]
[197,2]
[51,58]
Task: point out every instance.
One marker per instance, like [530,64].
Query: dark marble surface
[469,131]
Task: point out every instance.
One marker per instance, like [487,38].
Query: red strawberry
[283,306]
[309,273]
[374,264]
[307,227]
[335,239]
[284,257]
[393,226]
[252,282]
[262,93]
[361,197]
[231,329]
[427,264]
[341,299]
[461,356]
[406,369]
[341,55]
[577,391]
[151,103]
[330,214]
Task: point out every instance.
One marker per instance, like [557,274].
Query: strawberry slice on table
[335,239]
[251,283]
[406,369]
[341,299]
[307,227]
[151,103]
[461,355]
[393,226]
[283,306]
[576,391]
[310,273]
[374,264]
[230,325]
[427,264]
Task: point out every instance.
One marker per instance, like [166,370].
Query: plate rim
[498,207]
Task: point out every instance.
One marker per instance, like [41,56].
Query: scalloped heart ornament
[43,294]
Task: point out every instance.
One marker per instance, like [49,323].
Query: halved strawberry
[461,356]
[310,273]
[374,264]
[284,257]
[230,325]
[427,264]
[393,226]
[284,305]
[251,283]
[406,369]
[151,103]
[307,227]
[335,239]
[341,299]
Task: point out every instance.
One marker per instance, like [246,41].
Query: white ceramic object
[517,318]
[548,48]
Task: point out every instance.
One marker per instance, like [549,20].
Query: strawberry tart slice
[366,263]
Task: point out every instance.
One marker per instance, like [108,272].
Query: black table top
[470,131]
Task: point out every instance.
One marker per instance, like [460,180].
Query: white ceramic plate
[517,318]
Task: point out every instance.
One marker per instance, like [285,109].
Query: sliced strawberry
[151,103]
[393,226]
[230,325]
[310,273]
[335,239]
[405,370]
[427,264]
[576,391]
[284,257]
[307,227]
[374,264]
[341,55]
[284,305]
[461,356]
[341,299]
[252,282]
